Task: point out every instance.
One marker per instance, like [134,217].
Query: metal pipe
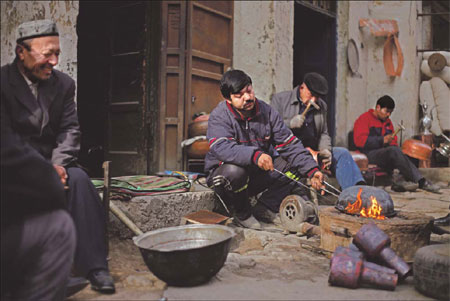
[124,219]
[432,14]
[425,50]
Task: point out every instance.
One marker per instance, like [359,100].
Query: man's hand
[317,181]
[265,162]
[297,121]
[326,157]
[388,139]
[61,172]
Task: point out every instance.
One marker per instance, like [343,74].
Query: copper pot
[360,160]
[198,149]
[417,149]
[199,126]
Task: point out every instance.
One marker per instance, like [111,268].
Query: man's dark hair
[386,102]
[233,81]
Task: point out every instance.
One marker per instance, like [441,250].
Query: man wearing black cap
[373,135]
[311,127]
[39,101]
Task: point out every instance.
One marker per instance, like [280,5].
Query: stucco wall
[263,44]
[356,95]
[64,13]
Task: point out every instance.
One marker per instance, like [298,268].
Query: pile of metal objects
[369,260]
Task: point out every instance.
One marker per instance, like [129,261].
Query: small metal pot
[185,255]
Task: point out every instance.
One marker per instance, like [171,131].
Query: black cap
[316,83]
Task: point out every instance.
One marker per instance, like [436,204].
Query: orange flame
[374,211]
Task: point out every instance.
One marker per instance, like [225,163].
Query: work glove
[326,157]
[297,121]
[221,181]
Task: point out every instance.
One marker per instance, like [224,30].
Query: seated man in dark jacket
[248,140]
[312,129]
[373,135]
[40,104]
[38,234]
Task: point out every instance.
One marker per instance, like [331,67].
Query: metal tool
[310,102]
[303,185]
[331,186]
[401,128]
[299,215]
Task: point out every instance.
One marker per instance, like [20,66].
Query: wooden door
[126,132]
[118,51]
[196,49]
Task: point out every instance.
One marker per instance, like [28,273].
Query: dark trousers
[275,186]
[392,157]
[85,207]
[36,256]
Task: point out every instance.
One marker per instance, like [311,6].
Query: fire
[374,211]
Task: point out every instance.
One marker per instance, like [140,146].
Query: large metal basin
[185,255]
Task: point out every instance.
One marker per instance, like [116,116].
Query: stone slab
[159,211]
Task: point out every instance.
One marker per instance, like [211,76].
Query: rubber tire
[432,271]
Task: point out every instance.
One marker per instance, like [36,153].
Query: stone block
[160,211]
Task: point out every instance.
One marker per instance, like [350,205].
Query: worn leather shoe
[442,221]
[428,186]
[402,186]
[74,285]
[265,215]
[102,281]
[250,223]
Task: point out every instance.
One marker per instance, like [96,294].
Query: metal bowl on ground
[185,255]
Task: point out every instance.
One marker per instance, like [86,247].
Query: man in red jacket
[373,135]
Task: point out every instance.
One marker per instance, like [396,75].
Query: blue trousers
[345,168]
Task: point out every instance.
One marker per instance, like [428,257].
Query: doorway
[315,48]
[116,69]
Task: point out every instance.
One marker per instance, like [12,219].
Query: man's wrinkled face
[244,100]
[383,113]
[39,58]
[305,94]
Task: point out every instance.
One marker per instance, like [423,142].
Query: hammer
[310,102]
[401,128]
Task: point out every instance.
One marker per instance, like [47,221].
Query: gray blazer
[51,127]
[287,104]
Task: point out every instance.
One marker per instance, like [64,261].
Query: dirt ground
[263,265]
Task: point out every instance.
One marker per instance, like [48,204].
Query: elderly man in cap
[305,113]
[39,101]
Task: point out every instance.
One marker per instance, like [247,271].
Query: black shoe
[428,186]
[102,281]
[402,186]
[74,285]
[265,215]
[442,221]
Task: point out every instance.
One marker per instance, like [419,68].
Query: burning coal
[366,201]
[374,210]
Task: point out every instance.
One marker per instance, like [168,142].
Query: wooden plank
[212,10]
[211,57]
[206,74]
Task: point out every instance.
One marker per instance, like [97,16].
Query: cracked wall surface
[263,47]
[355,94]
[263,44]
[64,13]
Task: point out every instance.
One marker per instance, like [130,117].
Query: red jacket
[368,132]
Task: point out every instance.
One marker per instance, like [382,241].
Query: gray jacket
[287,104]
